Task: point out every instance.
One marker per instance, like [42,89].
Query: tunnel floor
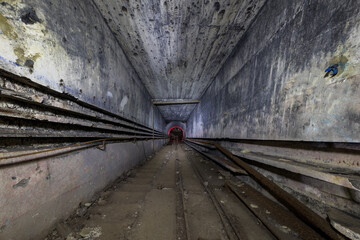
[178,194]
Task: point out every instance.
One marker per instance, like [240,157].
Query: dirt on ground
[178,194]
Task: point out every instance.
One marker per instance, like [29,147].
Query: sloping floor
[177,194]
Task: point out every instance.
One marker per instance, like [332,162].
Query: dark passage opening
[176,134]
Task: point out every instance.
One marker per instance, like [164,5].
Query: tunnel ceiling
[178,46]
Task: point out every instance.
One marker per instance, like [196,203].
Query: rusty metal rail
[54,114]
[340,177]
[17,158]
[298,208]
[223,162]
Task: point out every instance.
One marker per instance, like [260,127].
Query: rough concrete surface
[144,205]
[177,47]
[273,87]
[36,195]
[69,48]
[257,67]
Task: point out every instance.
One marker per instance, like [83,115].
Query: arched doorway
[176,134]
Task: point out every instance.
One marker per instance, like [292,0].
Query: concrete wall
[67,46]
[37,194]
[273,87]
[177,47]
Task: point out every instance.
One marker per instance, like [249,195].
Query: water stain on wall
[25,60]
[6,28]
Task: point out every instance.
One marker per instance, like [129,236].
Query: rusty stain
[7,111]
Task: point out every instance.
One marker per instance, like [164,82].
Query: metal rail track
[304,214]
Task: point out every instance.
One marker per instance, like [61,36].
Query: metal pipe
[36,155]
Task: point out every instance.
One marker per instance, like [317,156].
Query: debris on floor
[90,233]
[178,189]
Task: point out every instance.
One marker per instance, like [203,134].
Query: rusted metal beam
[26,156]
[344,223]
[338,156]
[30,95]
[174,101]
[202,144]
[280,222]
[306,171]
[46,133]
[65,121]
[283,197]
[45,113]
[223,162]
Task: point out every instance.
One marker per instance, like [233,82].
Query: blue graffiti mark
[43,79]
[332,70]
[9,61]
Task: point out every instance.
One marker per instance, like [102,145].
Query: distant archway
[176,134]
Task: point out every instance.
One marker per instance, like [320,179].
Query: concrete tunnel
[171,119]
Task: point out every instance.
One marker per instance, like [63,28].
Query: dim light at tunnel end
[183,133]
